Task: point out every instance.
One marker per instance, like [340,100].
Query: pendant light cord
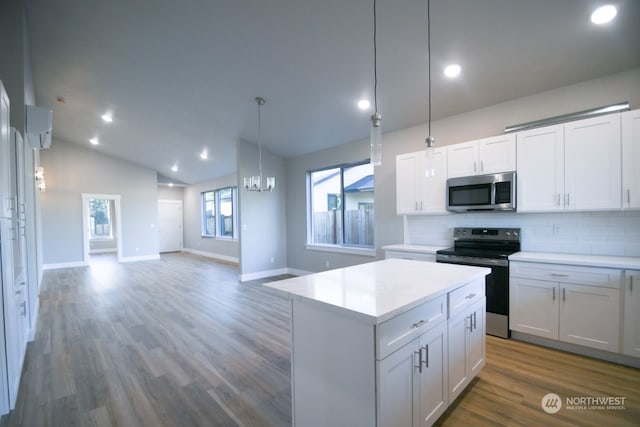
[260,102]
[375,59]
[429,59]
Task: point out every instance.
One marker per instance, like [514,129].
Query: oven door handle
[467,260]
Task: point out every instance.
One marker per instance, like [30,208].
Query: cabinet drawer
[396,332]
[588,276]
[465,295]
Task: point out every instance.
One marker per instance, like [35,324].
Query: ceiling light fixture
[174,168]
[429,167]
[204,155]
[254,183]
[604,14]
[364,104]
[94,141]
[107,117]
[452,70]
[375,138]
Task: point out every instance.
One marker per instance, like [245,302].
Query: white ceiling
[182,76]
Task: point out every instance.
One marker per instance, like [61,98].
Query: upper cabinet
[415,192]
[573,166]
[488,155]
[631,159]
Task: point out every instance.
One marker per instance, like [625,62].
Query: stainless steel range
[487,247]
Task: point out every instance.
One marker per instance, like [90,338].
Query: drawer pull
[420,323]
[559,275]
[470,296]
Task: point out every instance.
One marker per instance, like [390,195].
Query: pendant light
[376,118]
[429,167]
[254,183]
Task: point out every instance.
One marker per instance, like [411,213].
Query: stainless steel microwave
[492,192]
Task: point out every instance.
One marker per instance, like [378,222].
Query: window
[342,206]
[100,217]
[218,207]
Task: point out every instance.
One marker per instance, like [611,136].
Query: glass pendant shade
[429,158]
[254,182]
[376,139]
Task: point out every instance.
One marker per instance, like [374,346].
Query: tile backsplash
[591,233]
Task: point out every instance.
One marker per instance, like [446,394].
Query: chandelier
[254,183]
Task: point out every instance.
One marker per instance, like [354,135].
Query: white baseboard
[297,272]
[140,258]
[103,251]
[212,255]
[63,265]
[262,274]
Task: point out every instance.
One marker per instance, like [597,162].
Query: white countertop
[584,260]
[379,290]
[424,249]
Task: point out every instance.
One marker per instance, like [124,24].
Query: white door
[497,154]
[631,159]
[631,327]
[534,307]
[170,225]
[406,191]
[462,159]
[433,379]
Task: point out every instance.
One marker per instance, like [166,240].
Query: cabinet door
[433,378]
[497,154]
[534,307]
[476,334]
[540,178]
[593,169]
[631,159]
[631,325]
[406,185]
[462,159]
[590,316]
[434,187]
[398,393]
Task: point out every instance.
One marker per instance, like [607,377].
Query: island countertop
[377,291]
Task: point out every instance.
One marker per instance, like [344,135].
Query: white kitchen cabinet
[466,335]
[631,323]
[413,381]
[573,166]
[415,192]
[631,159]
[488,155]
[561,302]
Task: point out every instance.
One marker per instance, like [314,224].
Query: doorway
[169,225]
[102,226]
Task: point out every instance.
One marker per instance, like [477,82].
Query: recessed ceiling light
[364,104]
[174,168]
[94,141]
[107,117]
[204,155]
[452,70]
[604,14]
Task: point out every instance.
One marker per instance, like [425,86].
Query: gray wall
[192,208]
[463,127]
[71,170]
[263,231]
[170,193]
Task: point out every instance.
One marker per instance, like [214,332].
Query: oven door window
[470,195]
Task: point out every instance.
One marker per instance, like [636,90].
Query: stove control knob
[508,233]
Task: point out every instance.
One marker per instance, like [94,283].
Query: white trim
[86,197]
[55,266]
[103,251]
[140,258]
[34,316]
[213,255]
[341,249]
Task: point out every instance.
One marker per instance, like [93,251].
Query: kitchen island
[386,343]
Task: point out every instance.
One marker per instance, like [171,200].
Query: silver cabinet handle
[420,323]
[421,207]
[470,296]
[416,205]
[475,318]
[630,285]
[564,294]
[554,294]
[426,356]
[481,165]
[558,202]
[568,199]
[24,309]
[475,169]
[629,196]
[559,275]
[419,353]
[470,317]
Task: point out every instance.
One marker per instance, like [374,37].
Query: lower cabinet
[413,381]
[631,323]
[466,334]
[578,305]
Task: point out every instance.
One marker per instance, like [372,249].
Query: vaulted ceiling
[181,77]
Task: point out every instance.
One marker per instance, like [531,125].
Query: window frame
[334,247]
[217,217]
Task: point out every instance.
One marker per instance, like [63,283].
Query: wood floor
[179,342]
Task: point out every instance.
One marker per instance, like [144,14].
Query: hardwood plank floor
[179,342]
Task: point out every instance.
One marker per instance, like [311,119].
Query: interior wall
[170,193]
[224,248]
[71,170]
[467,126]
[263,229]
